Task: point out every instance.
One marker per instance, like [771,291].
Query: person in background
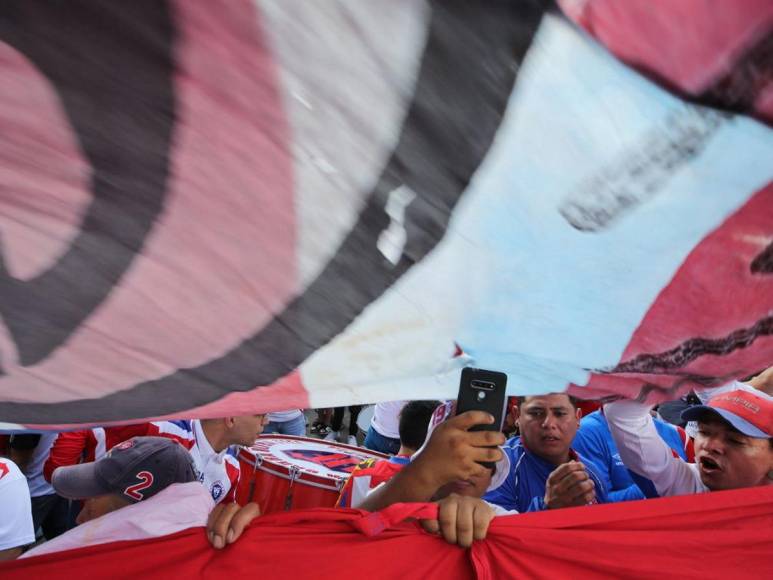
[321,425]
[16,529]
[544,471]
[50,512]
[539,469]
[414,421]
[384,432]
[594,442]
[338,421]
[211,443]
[451,454]
[73,447]
[733,445]
[118,493]
[292,422]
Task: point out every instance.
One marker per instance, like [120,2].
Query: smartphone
[482,390]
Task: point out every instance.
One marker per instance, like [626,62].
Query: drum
[283,472]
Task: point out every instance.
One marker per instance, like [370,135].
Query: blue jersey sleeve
[504,496]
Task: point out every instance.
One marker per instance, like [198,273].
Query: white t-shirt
[178,507]
[282,416]
[15,507]
[386,418]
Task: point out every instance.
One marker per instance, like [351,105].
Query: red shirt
[367,476]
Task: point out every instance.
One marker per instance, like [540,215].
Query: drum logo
[340,462]
[216,490]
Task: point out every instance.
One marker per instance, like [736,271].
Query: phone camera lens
[481,395]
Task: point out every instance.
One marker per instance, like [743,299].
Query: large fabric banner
[222,207]
[714,535]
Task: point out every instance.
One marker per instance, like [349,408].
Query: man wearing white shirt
[384,432]
[16,529]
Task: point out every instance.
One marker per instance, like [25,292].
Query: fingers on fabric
[464,523]
[431,526]
[227,522]
[481,520]
[241,520]
[216,529]
[463,520]
[447,513]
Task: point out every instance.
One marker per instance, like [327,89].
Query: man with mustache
[539,470]
[544,471]
[733,444]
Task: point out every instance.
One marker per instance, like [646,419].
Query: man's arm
[645,454]
[763,381]
[66,450]
[452,453]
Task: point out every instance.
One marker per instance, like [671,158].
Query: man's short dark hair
[520,399]
[414,420]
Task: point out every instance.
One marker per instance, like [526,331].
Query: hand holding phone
[482,390]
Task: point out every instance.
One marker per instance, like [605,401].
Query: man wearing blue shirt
[544,472]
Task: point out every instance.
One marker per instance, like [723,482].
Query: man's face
[245,429]
[96,507]
[548,424]
[727,459]
[476,486]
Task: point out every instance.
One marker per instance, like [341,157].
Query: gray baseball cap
[136,469]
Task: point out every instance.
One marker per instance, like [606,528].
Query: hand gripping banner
[638,539]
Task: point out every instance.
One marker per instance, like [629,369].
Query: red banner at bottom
[724,534]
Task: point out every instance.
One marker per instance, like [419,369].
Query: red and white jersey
[218,471]
[367,476]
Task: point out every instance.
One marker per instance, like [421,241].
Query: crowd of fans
[65,490]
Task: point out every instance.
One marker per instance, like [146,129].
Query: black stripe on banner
[763,263]
[467,74]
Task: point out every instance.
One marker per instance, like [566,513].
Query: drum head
[312,459]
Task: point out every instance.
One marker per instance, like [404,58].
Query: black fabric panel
[763,263]
[693,348]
